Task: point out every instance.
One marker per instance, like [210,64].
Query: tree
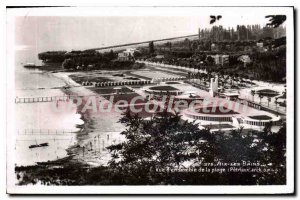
[136,54]
[166,141]
[52,56]
[276,102]
[111,55]
[151,47]
[253,94]
[276,20]
[273,146]
[160,143]
[189,75]
[213,18]
[210,60]
[68,64]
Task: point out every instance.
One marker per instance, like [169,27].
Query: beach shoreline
[82,151]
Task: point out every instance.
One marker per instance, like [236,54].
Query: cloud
[22,47]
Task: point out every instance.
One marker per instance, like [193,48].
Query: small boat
[44,144]
[33,146]
[39,145]
[31,65]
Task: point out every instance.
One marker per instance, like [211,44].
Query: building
[229,115]
[231,96]
[220,59]
[261,47]
[160,57]
[245,59]
[224,59]
[260,44]
[213,89]
[126,55]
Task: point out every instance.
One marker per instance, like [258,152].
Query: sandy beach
[98,131]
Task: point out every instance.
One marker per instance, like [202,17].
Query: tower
[213,86]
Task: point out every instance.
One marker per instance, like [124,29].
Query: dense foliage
[167,141]
[266,64]
[87,60]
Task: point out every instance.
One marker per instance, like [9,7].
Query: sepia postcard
[150,100]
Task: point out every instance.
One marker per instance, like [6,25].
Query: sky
[50,33]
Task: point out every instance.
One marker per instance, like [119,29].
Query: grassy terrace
[82,78]
[218,126]
[267,93]
[215,111]
[138,76]
[141,107]
[109,90]
[146,113]
[260,117]
[172,82]
[163,88]
[126,97]
[132,78]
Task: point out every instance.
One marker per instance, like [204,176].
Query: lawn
[132,78]
[172,82]
[138,76]
[267,92]
[153,74]
[109,90]
[126,97]
[216,111]
[260,117]
[82,78]
[146,113]
[163,88]
[218,126]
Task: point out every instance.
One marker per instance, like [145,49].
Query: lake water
[37,123]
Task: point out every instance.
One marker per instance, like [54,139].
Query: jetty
[47,131]
[41,99]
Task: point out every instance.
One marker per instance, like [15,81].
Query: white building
[220,59]
[231,96]
[260,44]
[128,54]
[245,59]
[213,89]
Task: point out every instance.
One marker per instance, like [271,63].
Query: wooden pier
[41,99]
[47,131]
